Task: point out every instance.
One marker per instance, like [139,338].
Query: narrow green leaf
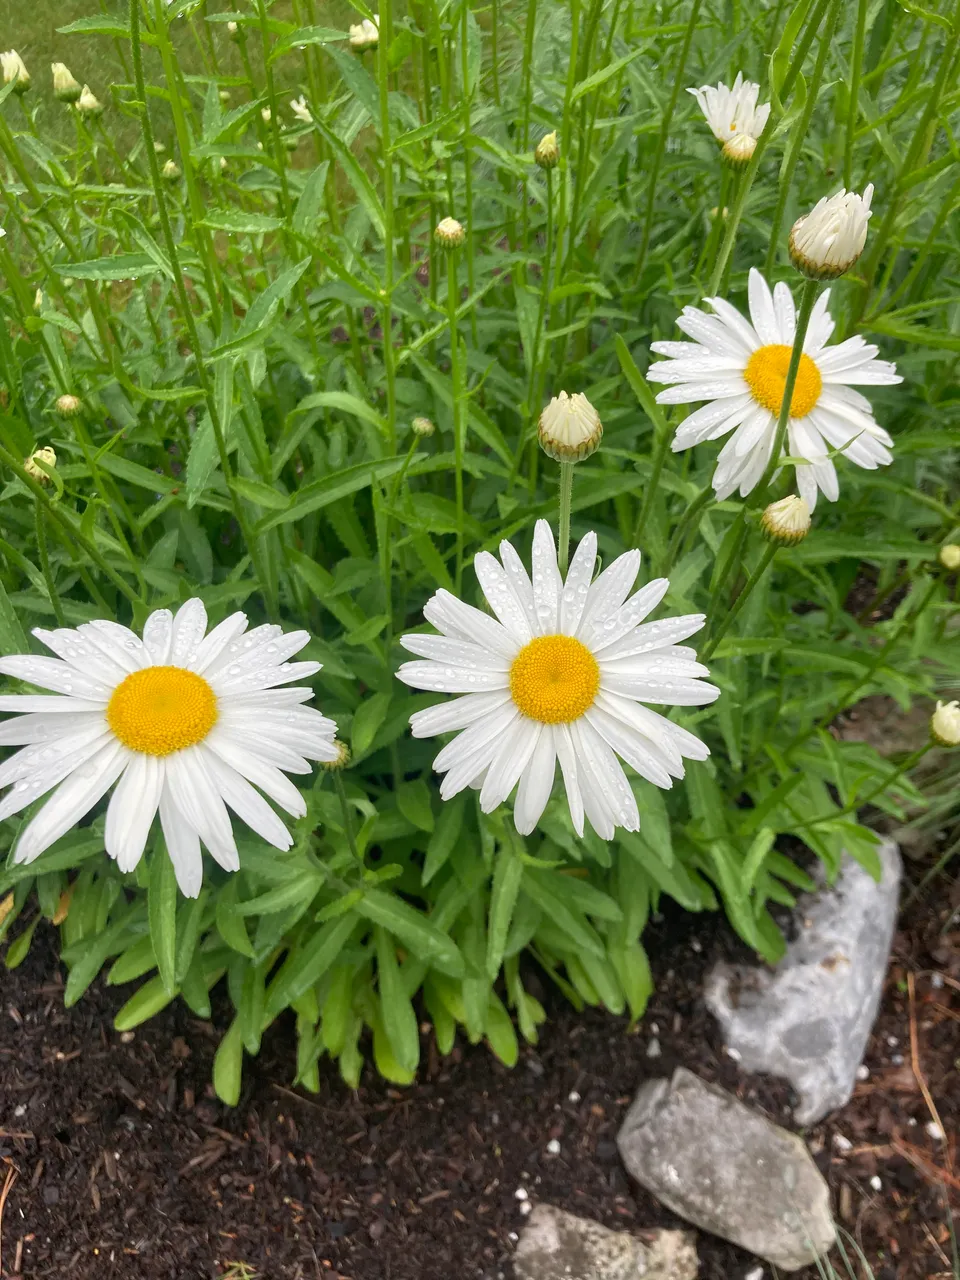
[424,939]
[399,1018]
[504,892]
[162,914]
[228,1065]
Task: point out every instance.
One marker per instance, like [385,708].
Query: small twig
[915,1062]
[7,1184]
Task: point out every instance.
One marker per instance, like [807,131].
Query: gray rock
[809,1019]
[558,1246]
[725,1168]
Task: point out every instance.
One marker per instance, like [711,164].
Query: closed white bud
[88,104]
[547,154]
[300,109]
[34,470]
[171,171]
[945,724]
[786,521]
[449,233]
[65,87]
[365,34]
[224,96]
[828,240]
[266,115]
[950,556]
[422,427]
[233,29]
[570,428]
[14,71]
[68,406]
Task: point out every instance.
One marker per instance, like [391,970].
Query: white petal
[477,737]
[183,846]
[247,803]
[196,796]
[785,313]
[631,746]
[30,702]
[47,775]
[75,796]
[83,655]
[260,772]
[214,644]
[676,693]
[736,323]
[625,619]
[567,755]
[132,809]
[718,337]
[457,653]
[651,636]
[607,774]
[536,782]
[463,622]
[157,635]
[704,389]
[56,756]
[438,678]
[51,673]
[189,626]
[576,588]
[457,713]
[36,727]
[608,593]
[761,309]
[117,642]
[501,597]
[519,580]
[547,583]
[516,747]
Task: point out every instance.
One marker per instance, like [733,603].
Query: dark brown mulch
[119,1162]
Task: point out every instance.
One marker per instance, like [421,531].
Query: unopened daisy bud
[945,724]
[342,758]
[65,87]
[547,154]
[34,470]
[224,96]
[159,147]
[14,71]
[365,34]
[266,115]
[88,104]
[449,233]
[171,171]
[224,166]
[38,300]
[950,556]
[570,428]
[300,109]
[786,521]
[68,406]
[422,427]
[235,31]
[738,150]
[828,240]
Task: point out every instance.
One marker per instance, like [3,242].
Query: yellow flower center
[554,679]
[766,375]
[162,709]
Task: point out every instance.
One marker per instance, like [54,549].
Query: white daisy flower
[559,673]
[732,112]
[741,368]
[180,721]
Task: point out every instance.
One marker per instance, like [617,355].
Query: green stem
[457,390]
[808,297]
[467,163]
[661,449]
[45,563]
[665,124]
[853,112]
[703,498]
[386,311]
[566,498]
[345,810]
[769,551]
[526,77]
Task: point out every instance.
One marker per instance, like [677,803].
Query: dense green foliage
[244,435]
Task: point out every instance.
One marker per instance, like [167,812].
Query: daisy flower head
[827,241]
[184,722]
[560,672]
[734,116]
[739,367]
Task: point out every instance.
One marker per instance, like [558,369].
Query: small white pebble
[573,1096]
[912,1122]
[127,1036]
[526,1208]
[521,1193]
[735,1054]
[863,1072]
[653,1048]
[892,1041]
[755,1274]
[936,981]
[696,945]
[934,1131]
[512,1237]
[840,1143]
[20,1111]
[875,1183]
[654,1028]
[897,1059]
[553,1147]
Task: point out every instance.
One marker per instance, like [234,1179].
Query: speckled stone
[556,1245]
[723,1167]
